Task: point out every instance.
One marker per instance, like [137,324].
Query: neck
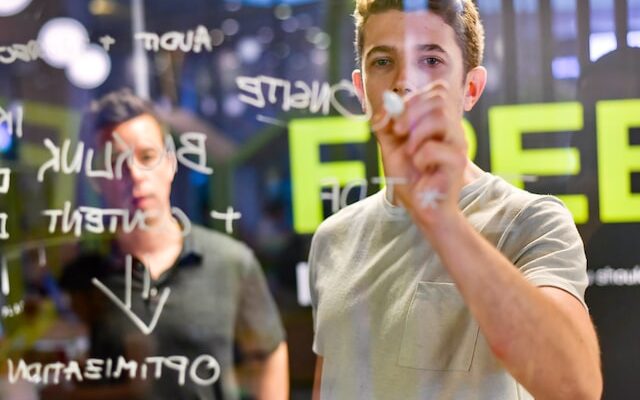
[471,172]
[162,233]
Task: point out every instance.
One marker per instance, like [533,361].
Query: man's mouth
[140,201]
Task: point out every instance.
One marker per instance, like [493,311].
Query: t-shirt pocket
[440,334]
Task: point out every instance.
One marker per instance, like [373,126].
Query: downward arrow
[126,305]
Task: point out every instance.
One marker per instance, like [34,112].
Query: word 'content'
[101,220]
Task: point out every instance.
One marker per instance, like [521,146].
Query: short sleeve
[259,329]
[544,243]
[314,292]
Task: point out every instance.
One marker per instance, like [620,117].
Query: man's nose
[401,90]
[133,171]
[401,84]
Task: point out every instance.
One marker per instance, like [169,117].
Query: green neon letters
[308,172]
[507,125]
[617,159]
[310,175]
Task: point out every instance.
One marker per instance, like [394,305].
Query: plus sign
[106,41]
[228,217]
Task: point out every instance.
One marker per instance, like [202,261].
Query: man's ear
[474,86]
[356,78]
[172,167]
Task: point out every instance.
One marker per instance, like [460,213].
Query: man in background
[198,292]
[450,283]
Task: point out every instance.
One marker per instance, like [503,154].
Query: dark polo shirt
[218,299]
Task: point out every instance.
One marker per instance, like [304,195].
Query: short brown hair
[461,15]
[115,108]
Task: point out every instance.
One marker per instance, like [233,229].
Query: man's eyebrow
[431,47]
[380,49]
[420,47]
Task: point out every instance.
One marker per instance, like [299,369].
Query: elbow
[579,379]
[589,383]
[591,391]
[583,386]
[592,387]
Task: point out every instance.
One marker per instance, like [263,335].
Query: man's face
[405,51]
[146,183]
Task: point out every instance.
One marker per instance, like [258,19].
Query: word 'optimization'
[203,371]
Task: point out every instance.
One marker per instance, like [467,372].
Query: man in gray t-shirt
[219,307]
[177,304]
[451,283]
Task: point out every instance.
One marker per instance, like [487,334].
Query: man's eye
[431,61]
[148,158]
[381,62]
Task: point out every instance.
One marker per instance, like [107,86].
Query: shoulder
[347,220]
[349,216]
[544,215]
[534,210]
[496,191]
[215,245]
[510,205]
[528,220]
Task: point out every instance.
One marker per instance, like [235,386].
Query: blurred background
[560,115]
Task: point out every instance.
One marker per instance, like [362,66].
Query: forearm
[533,337]
[317,379]
[273,382]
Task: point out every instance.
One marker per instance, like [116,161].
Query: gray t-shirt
[218,302]
[388,319]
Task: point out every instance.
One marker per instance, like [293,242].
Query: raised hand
[425,145]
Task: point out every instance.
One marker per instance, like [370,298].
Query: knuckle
[429,149]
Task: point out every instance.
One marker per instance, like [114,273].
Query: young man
[217,294]
[451,284]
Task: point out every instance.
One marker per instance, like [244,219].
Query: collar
[190,255]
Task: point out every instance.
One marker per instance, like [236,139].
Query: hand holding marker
[394,106]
